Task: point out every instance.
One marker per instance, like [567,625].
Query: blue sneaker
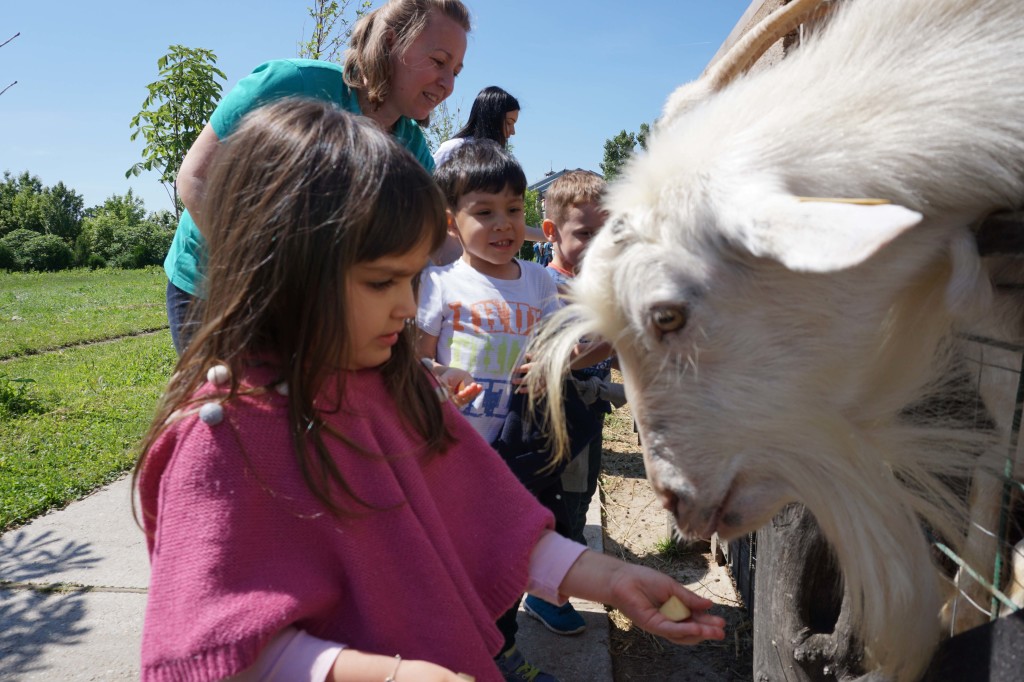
[562,620]
[515,668]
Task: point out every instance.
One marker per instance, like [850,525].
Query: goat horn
[757,40]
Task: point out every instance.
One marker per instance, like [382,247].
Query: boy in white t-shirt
[476,315]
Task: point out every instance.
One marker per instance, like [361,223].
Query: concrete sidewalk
[73,592]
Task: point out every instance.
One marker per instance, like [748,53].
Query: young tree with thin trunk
[618,149]
[444,123]
[175,111]
[331,29]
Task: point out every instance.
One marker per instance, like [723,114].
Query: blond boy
[573,216]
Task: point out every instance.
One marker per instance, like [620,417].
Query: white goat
[770,345]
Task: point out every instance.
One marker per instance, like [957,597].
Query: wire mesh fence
[992,583]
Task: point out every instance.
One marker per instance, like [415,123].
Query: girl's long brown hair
[300,193]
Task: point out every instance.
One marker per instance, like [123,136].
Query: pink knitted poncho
[240,549]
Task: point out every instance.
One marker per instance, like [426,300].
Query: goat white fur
[771,346]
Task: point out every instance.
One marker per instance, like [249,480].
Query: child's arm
[356,666]
[535,234]
[296,655]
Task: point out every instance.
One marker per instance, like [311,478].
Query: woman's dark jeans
[183,316]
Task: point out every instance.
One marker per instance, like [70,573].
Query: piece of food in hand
[468,393]
[464,676]
[674,609]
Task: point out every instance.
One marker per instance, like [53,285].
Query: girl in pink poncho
[313,510]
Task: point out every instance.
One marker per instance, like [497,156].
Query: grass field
[45,310]
[72,410]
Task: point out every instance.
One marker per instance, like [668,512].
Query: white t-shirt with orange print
[483,326]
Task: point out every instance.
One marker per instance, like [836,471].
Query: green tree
[618,149]
[531,208]
[118,234]
[444,123]
[164,219]
[641,137]
[26,204]
[22,203]
[63,211]
[175,111]
[126,209]
[332,27]
[532,215]
[8,261]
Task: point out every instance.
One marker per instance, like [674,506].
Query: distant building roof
[542,185]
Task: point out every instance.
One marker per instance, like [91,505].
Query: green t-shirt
[268,82]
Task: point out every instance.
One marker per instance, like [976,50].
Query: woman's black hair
[487,117]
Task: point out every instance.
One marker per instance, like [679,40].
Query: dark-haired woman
[493,117]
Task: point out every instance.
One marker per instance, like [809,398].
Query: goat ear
[822,235]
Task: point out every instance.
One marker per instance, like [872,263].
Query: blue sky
[582,69]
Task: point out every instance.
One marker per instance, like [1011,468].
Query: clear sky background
[582,70]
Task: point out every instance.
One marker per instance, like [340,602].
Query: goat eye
[668,318]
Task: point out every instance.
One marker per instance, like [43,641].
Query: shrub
[16,241]
[123,246]
[46,252]
[7,260]
[83,249]
[140,245]
[34,251]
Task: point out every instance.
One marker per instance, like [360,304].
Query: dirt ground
[637,530]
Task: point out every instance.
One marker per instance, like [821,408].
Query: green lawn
[71,418]
[46,310]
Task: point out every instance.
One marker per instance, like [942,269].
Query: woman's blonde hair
[391,29]
[297,196]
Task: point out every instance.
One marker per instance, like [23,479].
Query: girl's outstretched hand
[639,592]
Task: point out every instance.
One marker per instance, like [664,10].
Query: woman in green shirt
[402,62]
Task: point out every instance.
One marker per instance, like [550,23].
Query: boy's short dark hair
[479,166]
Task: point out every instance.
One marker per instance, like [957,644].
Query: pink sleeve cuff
[551,559]
[292,655]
